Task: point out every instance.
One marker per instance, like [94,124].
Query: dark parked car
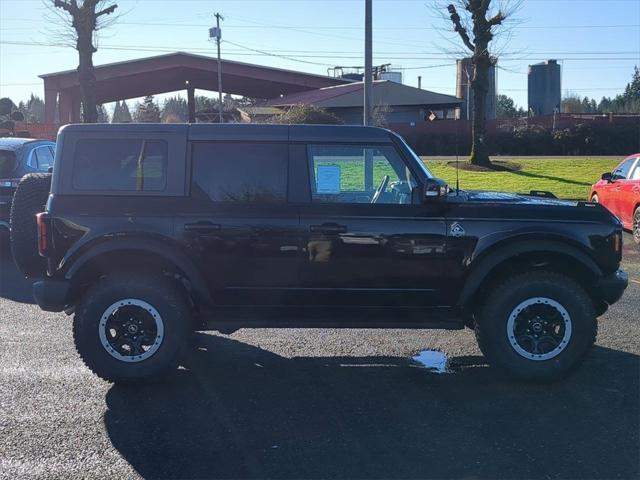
[619,191]
[18,157]
[152,231]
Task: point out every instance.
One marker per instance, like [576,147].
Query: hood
[504,197]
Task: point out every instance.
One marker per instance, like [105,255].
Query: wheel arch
[514,255]
[138,254]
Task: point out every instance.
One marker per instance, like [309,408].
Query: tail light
[617,243]
[43,233]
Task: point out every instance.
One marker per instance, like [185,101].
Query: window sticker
[328,179]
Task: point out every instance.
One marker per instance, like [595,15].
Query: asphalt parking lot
[315,404]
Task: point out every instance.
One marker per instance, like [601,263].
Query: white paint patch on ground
[432,360]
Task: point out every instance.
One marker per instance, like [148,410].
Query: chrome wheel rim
[131,330]
[539,329]
[636,226]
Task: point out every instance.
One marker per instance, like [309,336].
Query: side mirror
[434,188]
[607,177]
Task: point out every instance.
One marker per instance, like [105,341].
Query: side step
[231,318]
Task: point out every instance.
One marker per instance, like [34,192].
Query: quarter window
[359,174]
[130,165]
[240,173]
[42,158]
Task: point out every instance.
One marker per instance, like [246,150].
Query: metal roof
[167,73]
[350,95]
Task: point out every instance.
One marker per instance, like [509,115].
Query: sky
[596,41]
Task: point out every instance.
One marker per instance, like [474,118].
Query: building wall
[544,88]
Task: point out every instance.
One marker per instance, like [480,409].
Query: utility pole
[218,40]
[368,60]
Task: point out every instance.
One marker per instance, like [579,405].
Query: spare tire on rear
[30,198]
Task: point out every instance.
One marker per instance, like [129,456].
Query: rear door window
[240,173]
[126,165]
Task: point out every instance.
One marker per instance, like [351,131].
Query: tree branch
[107,10]
[455,18]
[71,7]
[497,19]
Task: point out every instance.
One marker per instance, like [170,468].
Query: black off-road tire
[493,316]
[29,199]
[159,292]
[636,226]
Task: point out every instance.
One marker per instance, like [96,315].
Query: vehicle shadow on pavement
[243,412]
[13,286]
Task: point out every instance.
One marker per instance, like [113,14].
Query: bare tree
[481,18]
[86,19]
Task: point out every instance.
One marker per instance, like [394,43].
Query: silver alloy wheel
[131,330]
[539,328]
[636,226]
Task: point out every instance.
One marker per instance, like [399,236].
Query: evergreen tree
[32,109]
[147,111]
[121,113]
[632,91]
[175,110]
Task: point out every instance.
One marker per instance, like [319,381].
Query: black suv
[153,231]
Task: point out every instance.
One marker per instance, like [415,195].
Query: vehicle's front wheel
[636,226]
[130,329]
[536,325]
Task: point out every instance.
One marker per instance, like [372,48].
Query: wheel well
[539,260]
[117,261]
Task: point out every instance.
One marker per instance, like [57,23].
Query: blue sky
[597,41]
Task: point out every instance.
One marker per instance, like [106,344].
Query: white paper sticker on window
[328,179]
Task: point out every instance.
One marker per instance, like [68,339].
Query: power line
[297,55]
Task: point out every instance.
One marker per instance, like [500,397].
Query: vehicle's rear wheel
[536,325]
[636,226]
[131,328]
[29,199]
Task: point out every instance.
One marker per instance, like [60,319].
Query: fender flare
[171,254]
[497,254]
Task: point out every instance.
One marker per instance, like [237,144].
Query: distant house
[400,103]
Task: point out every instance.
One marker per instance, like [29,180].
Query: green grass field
[566,177]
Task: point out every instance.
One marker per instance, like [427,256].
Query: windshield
[7,163]
[419,162]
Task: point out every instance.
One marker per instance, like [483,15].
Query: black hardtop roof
[245,131]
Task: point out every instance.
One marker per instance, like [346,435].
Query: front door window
[359,174]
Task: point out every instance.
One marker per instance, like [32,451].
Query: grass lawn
[566,177]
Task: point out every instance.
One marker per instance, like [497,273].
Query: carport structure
[170,73]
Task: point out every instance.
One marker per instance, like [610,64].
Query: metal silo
[464,75]
[544,88]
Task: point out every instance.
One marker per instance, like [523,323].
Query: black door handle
[202,227]
[328,228]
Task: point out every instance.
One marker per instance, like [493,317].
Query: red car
[619,191]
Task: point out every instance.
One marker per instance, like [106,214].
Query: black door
[240,225]
[366,243]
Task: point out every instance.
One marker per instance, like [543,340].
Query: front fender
[510,248]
